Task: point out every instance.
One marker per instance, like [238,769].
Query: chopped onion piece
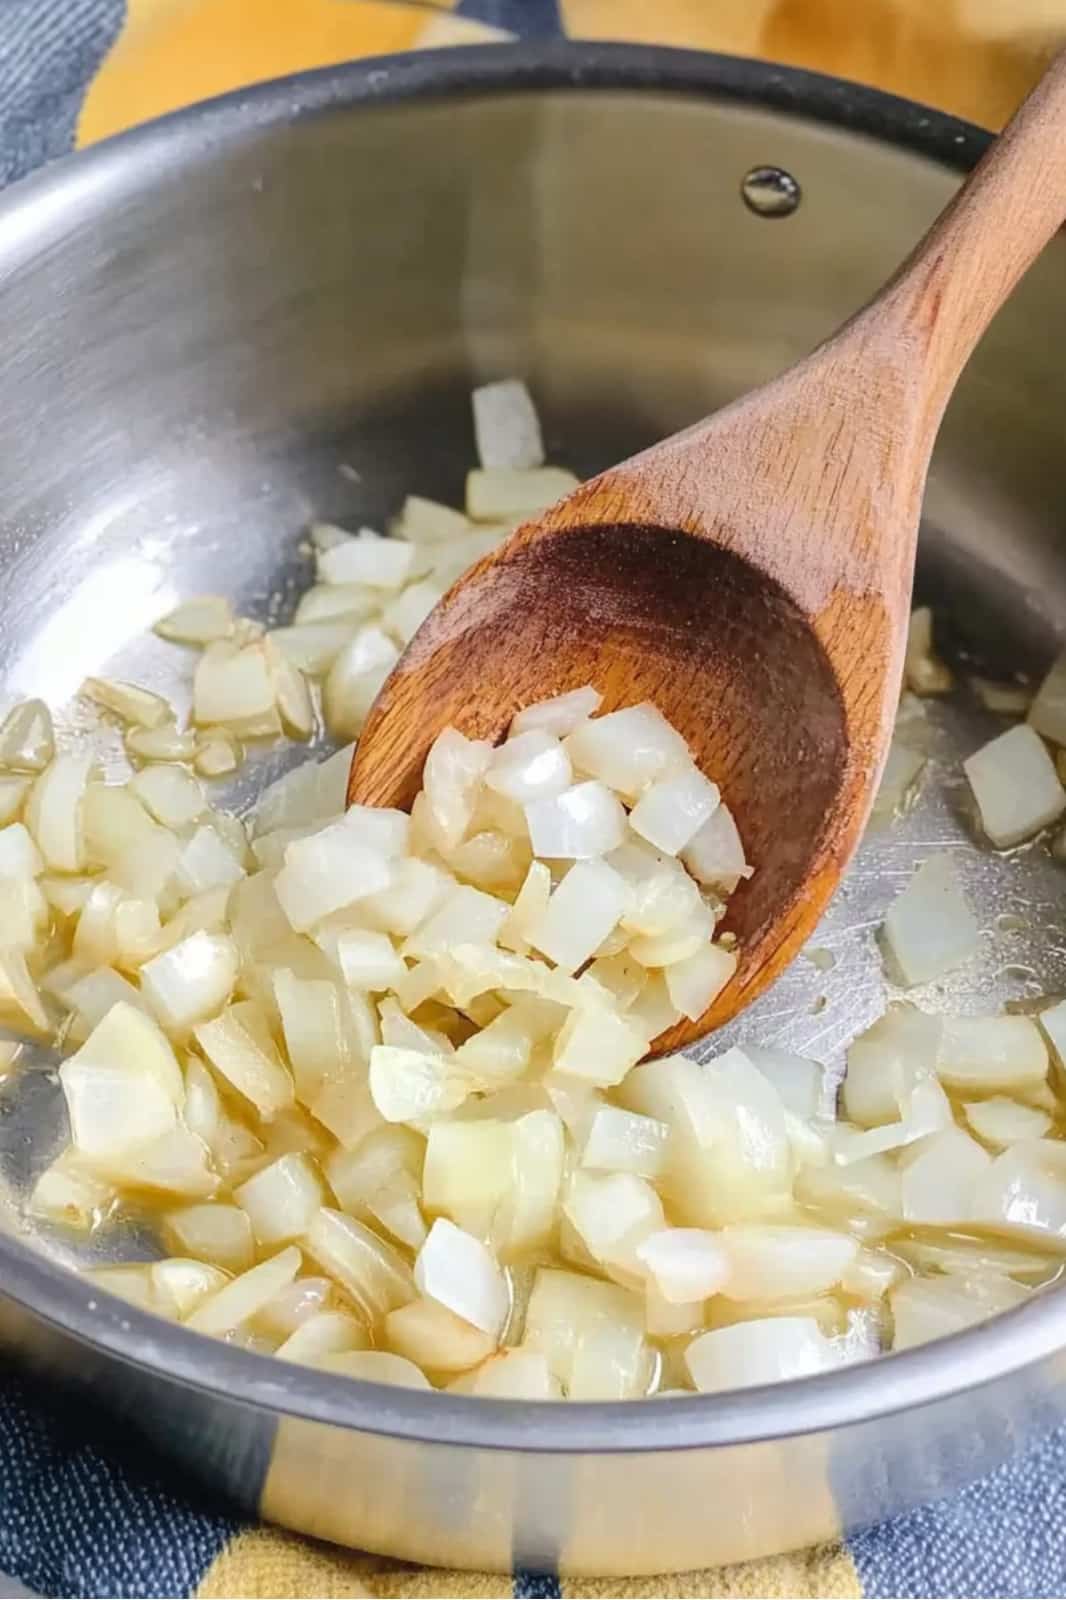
[243,1297]
[250,1064]
[13,792]
[1003,1122]
[990,1053]
[457,1270]
[579,915]
[233,684]
[404,615]
[769,1350]
[281,1200]
[898,1051]
[70,1194]
[558,716]
[326,1333]
[138,706]
[511,1375]
[530,766]
[216,755]
[940,1178]
[923,671]
[411,1085]
[627,750]
[327,872]
[367,558]
[930,928]
[506,425]
[715,854]
[899,780]
[207,862]
[695,981]
[1047,714]
[220,1234]
[375,1366]
[577,823]
[503,494]
[371,1273]
[199,621]
[27,738]
[427,1333]
[622,1141]
[429,522]
[454,771]
[368,960]
[768,1261]
[685,1264]
[1015,785]
[673,809]
[191,981]
[1024,1189]
[54,812]
[467,916]
[313,647]
[931,1308]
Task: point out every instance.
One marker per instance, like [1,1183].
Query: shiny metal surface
[275,306]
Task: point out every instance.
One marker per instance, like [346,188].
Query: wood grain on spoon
[750,576]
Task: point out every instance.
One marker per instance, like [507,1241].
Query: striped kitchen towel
[80,1512]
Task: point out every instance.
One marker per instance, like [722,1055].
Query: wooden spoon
[750,576]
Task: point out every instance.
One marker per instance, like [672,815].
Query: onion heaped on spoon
[378,1079]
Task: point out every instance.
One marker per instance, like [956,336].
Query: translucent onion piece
[138,706]
[923,671]
[27,738]
[428,522]
[281,1200]
[53,812]
[940,1178]
[558,716]
[579,915]
[454,771]
[930,928]
[884,1064]
[1024,1190]
[327,872]
[325,1334]
[931,1308]
[622,1141]
[988,1053]
[685,1264]
[457,1270]
[233,684]
[192,980]
[506,425]
[565,1305]
[220,1234]
[530,766]
[1015,785]
[502,494]
[756,1352]
[672,810]
[13,792]
[243,1297]
[167,742]
[899,780]
[715,854]
[373,1275]
[249,1063]
[427,1333]
[375,1366]
[511,1375]
[199,621]
[578,823]
[627,750]
[694,982]
[1047,714]
[367,558]
[768,1261]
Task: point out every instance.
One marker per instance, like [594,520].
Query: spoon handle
[948,290]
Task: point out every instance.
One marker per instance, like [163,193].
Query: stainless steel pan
[275,305]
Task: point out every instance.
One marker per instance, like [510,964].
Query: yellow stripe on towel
[823,1573]
[266,1564]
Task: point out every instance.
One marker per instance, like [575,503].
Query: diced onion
[930,928]
[685,1264]
[757,1352]
[506,425]
[1015,785]
[457,1270]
